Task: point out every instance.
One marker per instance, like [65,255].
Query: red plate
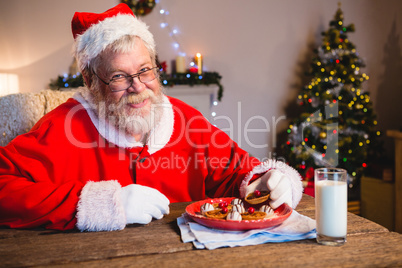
[281,214]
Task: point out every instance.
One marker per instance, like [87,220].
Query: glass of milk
[331,205]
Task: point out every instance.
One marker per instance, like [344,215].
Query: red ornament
[257,193]
[163,66]
[193,70]
[309,173]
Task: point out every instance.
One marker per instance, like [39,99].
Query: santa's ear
[88,80]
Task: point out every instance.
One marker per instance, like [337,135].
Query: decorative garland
[140,7]
[67,81]
[207,78]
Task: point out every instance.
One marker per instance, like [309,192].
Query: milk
[331,208]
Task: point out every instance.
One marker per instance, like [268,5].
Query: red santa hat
[94,32]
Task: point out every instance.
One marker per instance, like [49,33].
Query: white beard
[138,122]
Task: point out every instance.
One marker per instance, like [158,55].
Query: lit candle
[180,64]
[198,60]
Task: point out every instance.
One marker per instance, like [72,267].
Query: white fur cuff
[99,207]
[291,173]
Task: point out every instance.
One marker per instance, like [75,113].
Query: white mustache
[138,98]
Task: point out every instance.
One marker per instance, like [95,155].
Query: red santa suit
[69,169]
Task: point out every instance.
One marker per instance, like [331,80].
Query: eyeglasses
[124,82]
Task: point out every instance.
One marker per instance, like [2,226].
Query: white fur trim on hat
[97,37]
[99,207]
[291,173]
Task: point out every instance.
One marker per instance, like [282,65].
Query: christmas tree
[337,124]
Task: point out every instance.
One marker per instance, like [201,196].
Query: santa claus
[120,151]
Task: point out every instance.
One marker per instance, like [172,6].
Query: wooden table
[158,244]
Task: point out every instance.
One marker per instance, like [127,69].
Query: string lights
[195,68]
[344,136]
[173,32]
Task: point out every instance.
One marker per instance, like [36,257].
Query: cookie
[216,214]
[267,209]
[237,201]
[257,215]
[216,206]
[206,207]
[251,198]
[239,208]
[234,216]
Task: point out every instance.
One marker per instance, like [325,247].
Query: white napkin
[296,227]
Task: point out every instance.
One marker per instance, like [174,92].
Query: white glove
[142,203]
[279,185]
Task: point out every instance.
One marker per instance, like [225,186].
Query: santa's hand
[279,186]
[142,203]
